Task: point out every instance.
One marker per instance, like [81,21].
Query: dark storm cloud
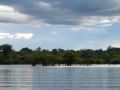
[66,12]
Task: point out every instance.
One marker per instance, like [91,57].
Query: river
[27,77]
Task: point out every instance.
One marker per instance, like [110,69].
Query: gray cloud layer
[64,12]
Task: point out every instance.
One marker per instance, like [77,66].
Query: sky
[67,24]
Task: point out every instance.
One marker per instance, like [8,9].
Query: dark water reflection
[25,77]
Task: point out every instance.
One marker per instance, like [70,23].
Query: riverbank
[93,65]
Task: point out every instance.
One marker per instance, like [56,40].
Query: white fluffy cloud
[23,35]
[44,5]
[5,35]
[10,14]
[78,29]
[98,20]
[16,36]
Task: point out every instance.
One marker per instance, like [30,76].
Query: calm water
[25,77]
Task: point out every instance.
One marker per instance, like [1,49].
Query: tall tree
[6,49]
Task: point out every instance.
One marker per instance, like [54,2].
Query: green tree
[6,49]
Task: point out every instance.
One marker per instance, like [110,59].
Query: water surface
[26,77]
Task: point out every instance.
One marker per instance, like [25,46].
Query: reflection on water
[25,77]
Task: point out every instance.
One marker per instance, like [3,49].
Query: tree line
[58,56]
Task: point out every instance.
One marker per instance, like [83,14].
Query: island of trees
[58,56]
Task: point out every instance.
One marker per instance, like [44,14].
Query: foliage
[58,56]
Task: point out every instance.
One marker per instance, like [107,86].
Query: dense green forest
[58,56]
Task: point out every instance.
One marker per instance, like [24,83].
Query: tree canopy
[58,56]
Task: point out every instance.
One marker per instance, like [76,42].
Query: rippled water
[26,77]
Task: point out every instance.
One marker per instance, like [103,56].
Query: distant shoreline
[58,57]
[92,65]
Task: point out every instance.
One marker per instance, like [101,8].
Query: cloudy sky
[67,24]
